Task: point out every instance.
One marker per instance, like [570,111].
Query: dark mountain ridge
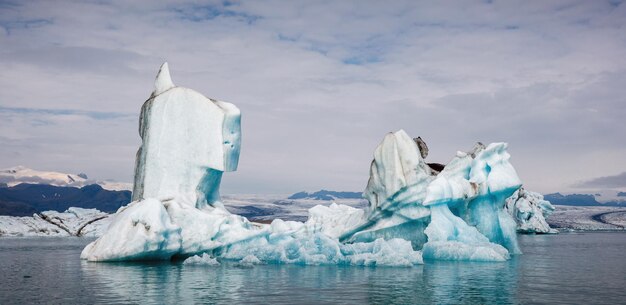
[580,200]
[25,199]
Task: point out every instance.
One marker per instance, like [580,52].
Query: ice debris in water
[451,212]
[297,243]
[205,259]
[249,260]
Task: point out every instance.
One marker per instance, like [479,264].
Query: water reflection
[440,282]
[472,283]
[585,268]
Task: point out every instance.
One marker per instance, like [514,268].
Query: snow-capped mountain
[21,174]
[25,191]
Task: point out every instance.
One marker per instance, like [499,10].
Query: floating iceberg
[530,211]
[416,210]
[204,259]
[73,222]
[188,141]
[456,214]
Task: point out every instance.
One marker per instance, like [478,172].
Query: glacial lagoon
[567,268]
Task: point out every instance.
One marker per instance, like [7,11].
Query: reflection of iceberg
[434,283]
[451,213]
[472,283]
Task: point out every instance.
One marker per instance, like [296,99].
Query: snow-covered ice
[188,141]
[296,243]
[588,218]
[203,259]
[73,222]
[249,260]
[414,211]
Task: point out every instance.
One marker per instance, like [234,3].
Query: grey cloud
[85,59]
[320,83]
[616,181]
[99,115]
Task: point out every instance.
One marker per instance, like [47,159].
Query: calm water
[570,268]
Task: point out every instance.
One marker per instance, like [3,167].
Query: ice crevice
[417,211]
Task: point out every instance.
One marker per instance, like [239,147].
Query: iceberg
[188,141]
[73,222]
[455,214]
[204,259]
[530,211]
[417,210]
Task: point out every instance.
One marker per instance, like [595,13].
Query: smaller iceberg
[73,222]
[453,214]
[530,211]
[204,260]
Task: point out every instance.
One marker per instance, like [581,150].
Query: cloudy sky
[319,84]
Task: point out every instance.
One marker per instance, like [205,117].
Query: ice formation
[416,210]
[204,259]
[73,222]
[456,214]
[530,211]
[188,141]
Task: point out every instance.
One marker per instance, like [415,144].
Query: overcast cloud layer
[320,83]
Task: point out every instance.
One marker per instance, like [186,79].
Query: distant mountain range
[555,198]
[25,191]
[327,195]
[26,199]
[583,200]
[21,174]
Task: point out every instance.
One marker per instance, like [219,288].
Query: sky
[320,83]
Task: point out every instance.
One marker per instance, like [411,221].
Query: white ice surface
[450,238]
[334,220]
[73,222]
[11,226]
[530,211]
[292,242]
[188,140]
[250,260]
[203,259]
[587,218]
[140,230]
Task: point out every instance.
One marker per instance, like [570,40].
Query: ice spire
[163,80]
